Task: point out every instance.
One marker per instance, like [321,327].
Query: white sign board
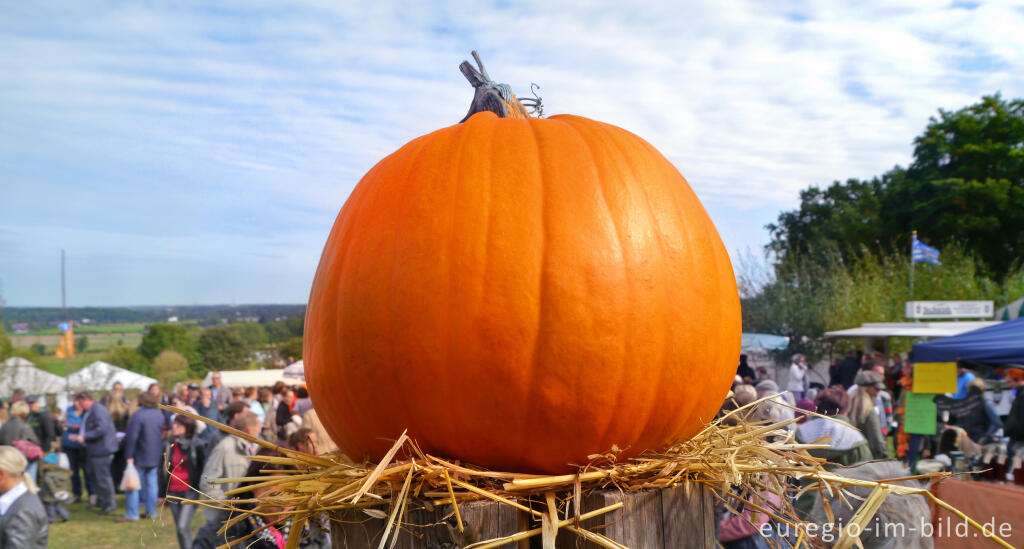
[949,309]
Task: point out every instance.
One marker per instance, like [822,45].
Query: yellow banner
[66,346]
[934,377]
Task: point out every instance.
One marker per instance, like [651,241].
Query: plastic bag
[130,480]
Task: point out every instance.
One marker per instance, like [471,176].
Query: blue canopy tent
[763,342]
[999,344]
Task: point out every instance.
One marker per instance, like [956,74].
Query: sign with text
[934,377]
[949,309]
[919,414]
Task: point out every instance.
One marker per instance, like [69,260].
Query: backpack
[29,449]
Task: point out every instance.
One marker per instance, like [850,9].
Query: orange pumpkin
[520,294]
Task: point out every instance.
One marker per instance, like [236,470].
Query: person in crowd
[323,442]
[100,439]
[192,394]
[18,395]
[744,370]
[16,431]
[303,440]
[143,447]
[155,390]
[42,423]
[227,460]
[205,407]
[964,376]
[284,412]
[252,397]
[863,413]
[764,373]
[303,403]
[75,451]
[23,522]
[847,445]
[848,368]
[833,372]
[270,531]
[1014,428]
[221,395]
[181,473]
[797,383]
[178,402]
[747,529]
[982,421]
[16,427]
[806,405]
[778,408]
[120,410]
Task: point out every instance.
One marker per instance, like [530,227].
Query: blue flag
[920,251]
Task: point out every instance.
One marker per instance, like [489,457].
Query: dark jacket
[188,447]
[144,440]
[1015,420]
[24,526]
[16,429]
[100,435]
[42,424]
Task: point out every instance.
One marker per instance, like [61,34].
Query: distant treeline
[39,318]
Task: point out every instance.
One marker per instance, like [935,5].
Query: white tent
[19,373]
[100,376]
[296,370]
[248,378]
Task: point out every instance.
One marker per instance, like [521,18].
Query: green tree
[291,350]
[965,185]
[38,348]
[169,367]
[6,347]
[81,343]
[163,336]
[253,333]
[221,348]
[128,358]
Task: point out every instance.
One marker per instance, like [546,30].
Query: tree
[163,336]
[128,358]
[964,186]
[6,347]
[169,367]
[38,348]
[81,343]
[291,350]
[221,348]
[253,333]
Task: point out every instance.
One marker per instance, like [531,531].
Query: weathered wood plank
[681,517]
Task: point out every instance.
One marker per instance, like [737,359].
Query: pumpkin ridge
[601,181]
[351,415]
[531,393]
[708,235]
[643,428]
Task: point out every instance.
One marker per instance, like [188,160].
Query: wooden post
[680,517]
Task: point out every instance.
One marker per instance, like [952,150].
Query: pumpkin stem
[492,96]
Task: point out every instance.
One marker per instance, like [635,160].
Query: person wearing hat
[192,394]
[863,413]
[42,423]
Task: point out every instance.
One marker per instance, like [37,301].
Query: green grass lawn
[86,529]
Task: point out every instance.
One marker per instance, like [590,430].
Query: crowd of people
[860,414]
[94,448]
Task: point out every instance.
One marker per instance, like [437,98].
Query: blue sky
[183,153]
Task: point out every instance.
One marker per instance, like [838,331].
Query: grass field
[87,530]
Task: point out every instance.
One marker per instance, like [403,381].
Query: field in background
[101,338]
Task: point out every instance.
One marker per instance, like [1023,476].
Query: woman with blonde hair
[23,521]
[863,414]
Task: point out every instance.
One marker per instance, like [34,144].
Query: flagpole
[913,238]
[64,316]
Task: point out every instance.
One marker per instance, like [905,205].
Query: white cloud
[253,111]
